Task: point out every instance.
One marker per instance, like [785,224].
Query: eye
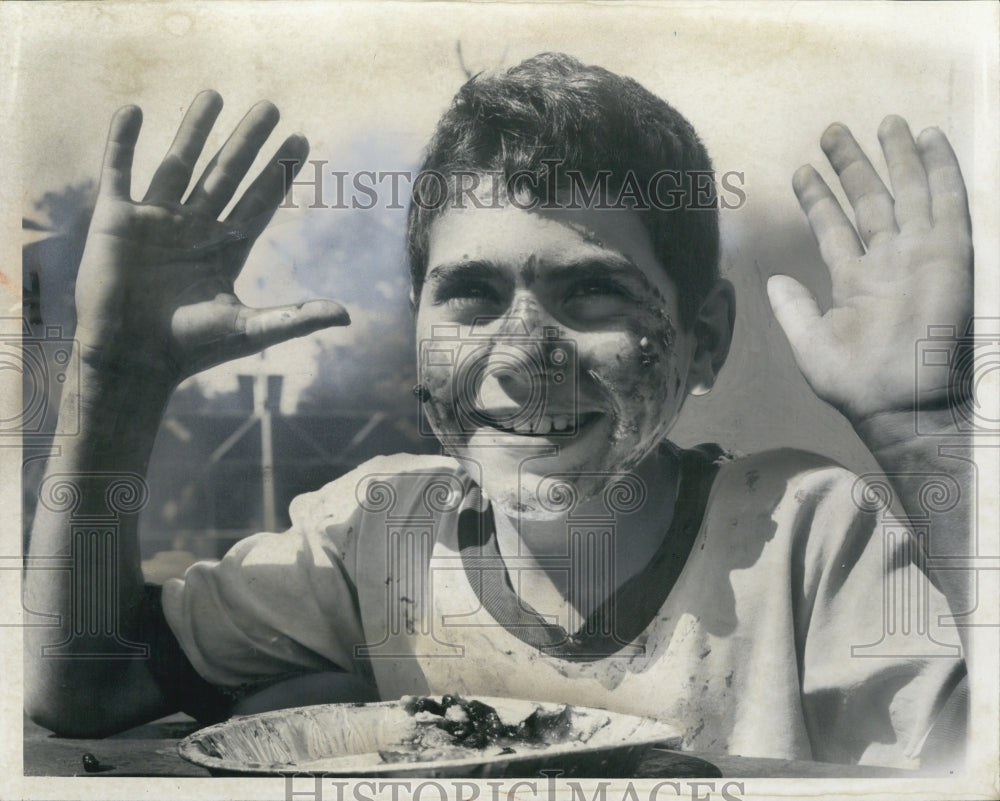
[465,293]
[592,299]
[596,288]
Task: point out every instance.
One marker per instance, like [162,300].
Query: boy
[563,549]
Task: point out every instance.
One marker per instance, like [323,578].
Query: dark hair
[553,108]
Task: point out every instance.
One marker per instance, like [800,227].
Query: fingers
[906,173]
[258,204]
[949,202]
[868,196]
[265,327]
[834,233]
[174,174]
[797,312]
[116,173]
[224,172]
[925,176]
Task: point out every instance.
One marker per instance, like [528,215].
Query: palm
[156,282]
[171,292]
[906,266]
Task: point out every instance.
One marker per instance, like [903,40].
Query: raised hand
[905,265]
[155,286]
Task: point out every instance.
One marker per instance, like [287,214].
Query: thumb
[265,327]
[795,309]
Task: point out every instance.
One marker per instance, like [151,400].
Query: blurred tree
[49,262]
[376,371]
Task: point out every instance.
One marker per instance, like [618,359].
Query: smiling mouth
[541,425]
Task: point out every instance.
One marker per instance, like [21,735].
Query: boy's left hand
[906,265]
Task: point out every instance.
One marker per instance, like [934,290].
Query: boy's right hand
[155,286]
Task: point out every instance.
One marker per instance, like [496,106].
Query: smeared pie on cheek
[440,402]
[639,384]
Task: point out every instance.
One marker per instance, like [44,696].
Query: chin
[550,491]
[540,498]
[547,477]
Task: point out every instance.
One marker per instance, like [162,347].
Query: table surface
[151,750]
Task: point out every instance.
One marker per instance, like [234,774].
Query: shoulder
[376,485]
[775,474]
[788,497]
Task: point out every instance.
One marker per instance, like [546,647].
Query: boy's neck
[546,559]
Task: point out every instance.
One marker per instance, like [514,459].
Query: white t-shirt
[798,628]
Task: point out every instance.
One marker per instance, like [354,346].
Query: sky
[366,82]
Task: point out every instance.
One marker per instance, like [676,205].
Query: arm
[155,304]
[905,265]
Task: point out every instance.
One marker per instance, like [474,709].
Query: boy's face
[549,343]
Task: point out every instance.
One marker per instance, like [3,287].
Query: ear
[713,334]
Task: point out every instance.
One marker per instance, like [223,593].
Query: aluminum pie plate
[345,740]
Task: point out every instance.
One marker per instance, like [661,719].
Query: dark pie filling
[455,722]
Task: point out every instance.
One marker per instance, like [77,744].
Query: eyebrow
[471,268]
[612,264]
[602,266]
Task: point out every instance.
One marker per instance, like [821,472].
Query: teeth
[542,426]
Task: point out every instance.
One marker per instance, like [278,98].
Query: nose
[526,318]
[514,377]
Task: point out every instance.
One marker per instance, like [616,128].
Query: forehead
[510,237]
